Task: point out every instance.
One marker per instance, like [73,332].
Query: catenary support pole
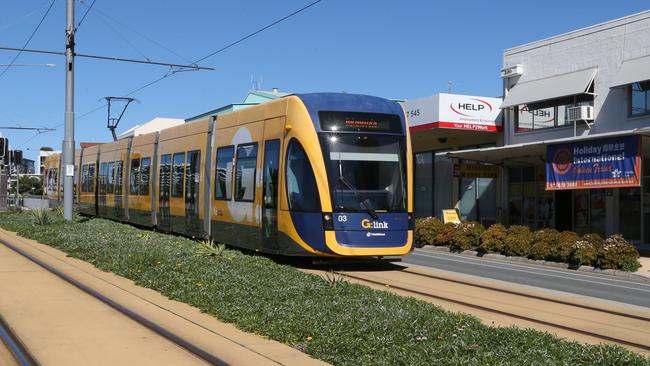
[68,135]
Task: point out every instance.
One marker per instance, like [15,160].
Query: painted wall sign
[453,111]
[612,162]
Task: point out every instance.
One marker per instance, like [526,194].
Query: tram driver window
[301,184]
[245,176]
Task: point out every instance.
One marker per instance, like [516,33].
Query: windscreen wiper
[372,212]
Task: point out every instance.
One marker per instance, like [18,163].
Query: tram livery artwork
[321,174]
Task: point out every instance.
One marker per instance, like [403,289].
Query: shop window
[550,114]
[302,192]
[629,208]
[528,203]
[223,174]
[245,176]
[640,98]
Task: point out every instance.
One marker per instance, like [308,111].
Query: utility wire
[258,31]
[106,16]
[85,14]
[173,72]
[30,38]
[123,38]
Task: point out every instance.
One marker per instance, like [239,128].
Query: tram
[322,174]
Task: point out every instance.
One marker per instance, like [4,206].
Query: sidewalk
[64,326]
[645,267]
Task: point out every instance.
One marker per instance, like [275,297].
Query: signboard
[450,216]
[612,162]
[360,122]
[479,171]
[453,111]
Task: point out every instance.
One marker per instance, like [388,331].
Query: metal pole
[68,139]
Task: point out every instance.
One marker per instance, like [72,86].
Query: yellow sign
[450,216]
[479,171]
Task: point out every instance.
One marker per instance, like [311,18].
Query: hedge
[545,244]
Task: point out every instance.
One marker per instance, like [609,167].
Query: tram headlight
[328,222]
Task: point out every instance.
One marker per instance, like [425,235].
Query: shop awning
[633,70]
[531,153]
[559,86]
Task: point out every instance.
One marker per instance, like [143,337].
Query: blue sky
[395,49]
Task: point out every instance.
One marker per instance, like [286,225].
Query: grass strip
[332,320]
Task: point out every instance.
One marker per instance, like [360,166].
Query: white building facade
[576,131]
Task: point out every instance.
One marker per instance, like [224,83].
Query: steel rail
[644,347]
[156,328]
[17,348]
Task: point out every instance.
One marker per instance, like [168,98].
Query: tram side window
[223,174]
[134,176]
[178,168]
[145,167]
[103,173]
[91,177]
[302,192]
[110,178]
[245,176]
[84,178]
[193,176]
[165,176]
[118,176]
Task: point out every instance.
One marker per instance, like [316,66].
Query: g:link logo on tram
[367,224]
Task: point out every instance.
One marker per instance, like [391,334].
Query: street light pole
[68,135]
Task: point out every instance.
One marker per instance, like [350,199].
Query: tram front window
[366,172]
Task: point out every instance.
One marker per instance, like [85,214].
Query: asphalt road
[620,289]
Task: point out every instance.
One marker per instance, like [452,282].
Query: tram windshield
[366,172]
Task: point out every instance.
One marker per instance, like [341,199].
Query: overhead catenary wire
[85,14]
[29,39]
[173,72]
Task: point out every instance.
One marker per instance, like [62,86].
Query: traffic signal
[4,145]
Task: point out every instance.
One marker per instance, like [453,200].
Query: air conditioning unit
[581,113]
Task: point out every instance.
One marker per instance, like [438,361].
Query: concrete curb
[525,260]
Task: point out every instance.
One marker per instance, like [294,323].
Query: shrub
[618,253]
[466,236]
[41,217]
[518,241]
[543,242]
[426,230]
[564,247]
[584,253]
[595,239]
[445,235]
[493,239]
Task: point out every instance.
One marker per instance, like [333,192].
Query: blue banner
[612,162]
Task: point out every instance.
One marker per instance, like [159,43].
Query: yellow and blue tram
[322,174]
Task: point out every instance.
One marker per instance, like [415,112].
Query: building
[254,97]
[156,124]
[450,122]
[576,122]
[42,155]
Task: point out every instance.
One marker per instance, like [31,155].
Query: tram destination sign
[604,163]
[360,122]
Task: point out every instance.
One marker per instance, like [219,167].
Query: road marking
[542,274]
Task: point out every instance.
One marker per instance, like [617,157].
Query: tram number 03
[342,218]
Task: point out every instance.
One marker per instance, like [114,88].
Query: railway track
[22,354]
[574,317]
[15,346]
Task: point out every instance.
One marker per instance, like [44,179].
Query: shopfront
[451,122]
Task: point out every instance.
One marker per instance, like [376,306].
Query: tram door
[164,185]
[192,185]
[270,194]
